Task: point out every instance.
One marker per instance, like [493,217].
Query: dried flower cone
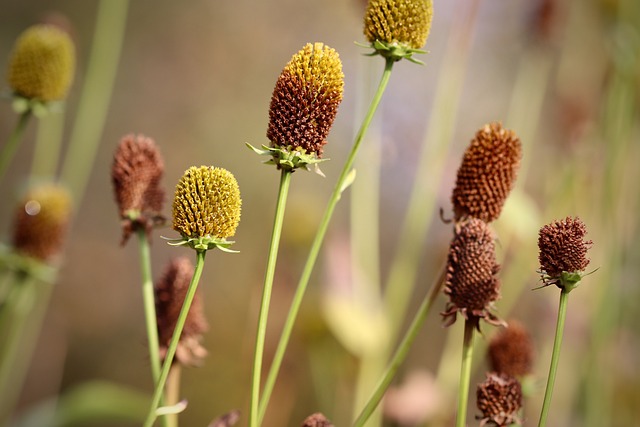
[170,291]
[42,63]
[317,420]
[487,173]
[499,398]
[471,282]
[136,173]
[305,100]
[511,351]
[207,203]
[41,222]
[403,22]
[563,248]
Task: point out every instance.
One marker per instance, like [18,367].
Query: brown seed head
[41,222]
[170,291]
[404,22]
[471,282]
[563,248]
[42,63]
[136,173]
[317,420]
[305,100]
[499,398]
[511,351]
[487,173]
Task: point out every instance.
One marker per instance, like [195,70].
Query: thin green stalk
[555,356]
[317,242]
[172,393]
[285,180]
[465,373]
[96,95]
[10,148]
[173,345]
[48,143]
[402,351]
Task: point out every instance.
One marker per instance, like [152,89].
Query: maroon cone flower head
[511,350]
[499,398]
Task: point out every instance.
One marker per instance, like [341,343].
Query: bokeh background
[197,77]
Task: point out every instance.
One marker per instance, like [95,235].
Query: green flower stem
[317,242]
[10,148]
[172,393]
[94,101]
[48,145]
[173,345]
[402,350]
[285,179]
[555,356]
[465,373]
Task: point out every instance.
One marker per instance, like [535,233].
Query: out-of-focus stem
[9,150]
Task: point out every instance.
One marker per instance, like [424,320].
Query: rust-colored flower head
[206,207]
[170,291]
[41,222]
[397,29]
[511,351]
[317,420]
[42,64]
[499,398]
[487,173]
[471,282]
[136,173]
[303,107]
[563,252]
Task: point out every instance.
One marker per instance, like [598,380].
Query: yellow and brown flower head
[170,292]
[41,222]
[397,29]
[471,282]
[511,351]
[136,173]
[499,398]
[206,208]
[42,64]
[303,107]
[487,173]
[563,252]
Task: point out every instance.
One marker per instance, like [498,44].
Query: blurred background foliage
[197,77]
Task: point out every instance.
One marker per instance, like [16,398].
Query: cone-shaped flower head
[170,292]
[316,420]
[304,105]
[206,207]
[42,64]
[471,282]
[511,350]
[136,172]
[398,28]
[487,173]
[563,252]
[499,398]
[41,222]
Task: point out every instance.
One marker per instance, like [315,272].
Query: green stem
[402,351]
[48,142]
[173,345]
[465,373]
[317,242]
[172,393]
[555,356]
[285,180]
[94,101]
[10,148]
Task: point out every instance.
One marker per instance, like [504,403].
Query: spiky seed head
[42,64]
[305,100]
[511,350]
[41,222]
[398,24]
[207,203]
[499,398]
[170,292]
[317,420]
[487,174]
[563,251]
[136,173]
[471,282]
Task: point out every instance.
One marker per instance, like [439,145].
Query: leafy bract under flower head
[206,207]
[42,64]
